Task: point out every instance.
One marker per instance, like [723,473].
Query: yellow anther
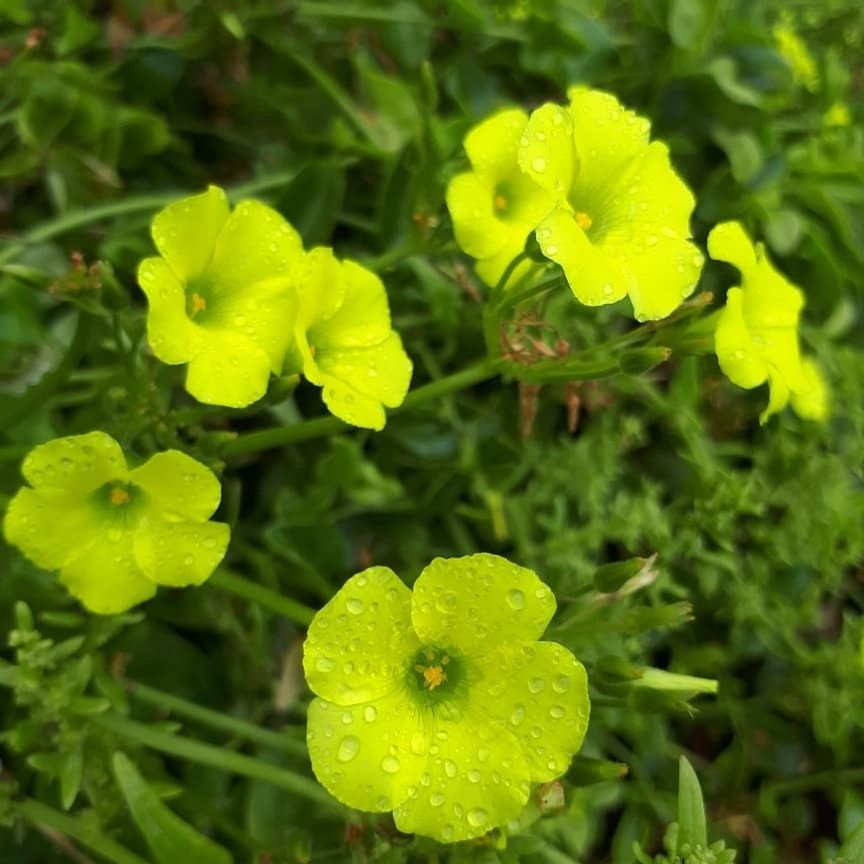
[433,676]
[119,496]
[583,220]
[197,303]
[500,202]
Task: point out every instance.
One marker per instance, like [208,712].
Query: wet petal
[348,404]
[595,277]
[178,486]
[492,144]
[50,528]
[812,401]
[742,363]
[229,370]
[607,137]
[475,779]
[363,317]
[479,601]
[78,463]
[538,693]
[256,244]
[171,335]
[180,553]
[778,396]
[664,274]
[185,231]
[478,229]
[729,242]
[546,150]
[106,578]
[361,643]
[370,755]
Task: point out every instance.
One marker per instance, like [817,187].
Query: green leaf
[691,808]
[312,202]
[170,838]
[689,21]
[724,71]
[852,851]
[71,770]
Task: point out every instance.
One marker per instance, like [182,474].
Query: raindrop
[561,684]
[557,712]
[477,817]
[347,718]
[369,713]
[355,605]
[518,715]
[349,747]
[607,288]
[436,799]
[390,764]
[450,768]
[324,664]
[474,775]
[515,599]
[539,164]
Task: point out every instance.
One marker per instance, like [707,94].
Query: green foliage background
[348,117]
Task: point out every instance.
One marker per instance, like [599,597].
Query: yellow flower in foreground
[344,342]
[219,297]
[757,332]
[113,533]
[621,226]
[495,206]
[440,704]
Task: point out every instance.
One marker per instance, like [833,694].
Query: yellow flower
[344,342]
[757,332]
[793,50]
[114,533]
[441,704]
[621,225]
[495,206]
[837,115]
[219,297]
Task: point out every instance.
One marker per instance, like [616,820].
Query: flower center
[196,304]
[583,220]
[435,674]
[118,496]
[500,202]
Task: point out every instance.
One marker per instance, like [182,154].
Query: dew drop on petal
[515,599]
[477,817]
[390,764]
[450,768]
[561,684]
[535,685]
[436,799]
[349,747]
[369,713]
[557,712]
[539,164]
[355,605]
[324,664]
[518,715]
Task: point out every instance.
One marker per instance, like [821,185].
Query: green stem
[836,779]
[36,396]
[215,719]
[265,439]
[46,818]
[565,369]
[137,204]
[271,600]
[217,757]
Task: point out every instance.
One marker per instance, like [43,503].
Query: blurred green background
[349,117]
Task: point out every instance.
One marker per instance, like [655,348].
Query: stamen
[433,676]
[583,220]
[500,202]
[118,496]
[196,303]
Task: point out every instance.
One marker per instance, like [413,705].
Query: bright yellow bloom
[440,704]
[793,50]
[344,341]
[621,225]
[219,297]
[495,206]
[114,533]
[757,332]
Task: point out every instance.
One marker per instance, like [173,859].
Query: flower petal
[475,779]
[360,644]
[547,153]
[739,359]
[607,137]
[369,756]
[595,277]
[255,244]
[778,396]
[185,231]
[50,528]
[106,577]
[811,402]
[180,553]
[539,693]
[476,225]
[729,242]
[362,319]
[172,336]
[178,486]
[479,601]
[490,270]
[229,370]
[78,463]
[348,404]
[492,144]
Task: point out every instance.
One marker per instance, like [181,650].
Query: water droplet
[347,718]
[607,289]
[651,240]
[551,249]
[540,136]
[515,599]
[390,764]
[557,712]
[369,713]
[483,754]
[561,684]
[474,775]
[477,817]
[535,685]
[436,799]
[539,164]
[324,664]
[450,768]
[355,605]
[349,747]
[517,715]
